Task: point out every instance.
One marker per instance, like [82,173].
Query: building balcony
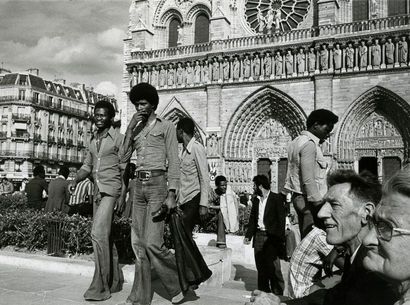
[298,36]
[18,117]
[16,153]
[20,135]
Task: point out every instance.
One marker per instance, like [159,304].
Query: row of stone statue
[278,65]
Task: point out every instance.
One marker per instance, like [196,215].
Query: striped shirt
[306,263]
[83,191]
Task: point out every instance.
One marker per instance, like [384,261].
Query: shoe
[160,214]
[221,246]
[178,298]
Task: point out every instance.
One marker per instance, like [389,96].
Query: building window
[22,95]
[35,97]
[202,29]
[397,7]
[173,32]
[360,10]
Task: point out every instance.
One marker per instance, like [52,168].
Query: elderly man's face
[391,258]
[340,214]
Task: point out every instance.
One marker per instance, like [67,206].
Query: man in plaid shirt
[306,263]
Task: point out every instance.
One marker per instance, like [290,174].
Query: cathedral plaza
[249,72]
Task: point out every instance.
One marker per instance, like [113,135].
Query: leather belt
[146,175]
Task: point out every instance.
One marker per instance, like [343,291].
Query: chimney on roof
[60,80]
[34,71]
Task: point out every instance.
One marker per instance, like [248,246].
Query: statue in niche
[363,54]
[225,69]
[236,68]
[197,73]
[403,51]
[312,60]
[205,72]
[134,77]
[278,18]
[300,60]
[162,76]
[337,57]
[213,145]
[215,70]
[154,76]
[246,67]
[171,75]
[389,52]
[179,35]
[374,7]
[256,66]
[278,64]
[144,78]
[289,62]
[349,56]
[378,128]
[324,58]
[180,74]
[269,18]
[189,74]
[376,53]
[267,65]
[261,21]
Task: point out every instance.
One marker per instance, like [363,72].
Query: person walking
[102,161]
[157,179]
[194,182]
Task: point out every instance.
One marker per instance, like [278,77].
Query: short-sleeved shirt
[156,147]
[34,190]
[83,190]
[105,164]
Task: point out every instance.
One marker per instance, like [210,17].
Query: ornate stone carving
[301,61]
[180,35]
[350,56]
[154,76]
[324,58]
[389,52]
[189,74]
[171,76]
[363,55]
[246,67]
[278,64]
[180,74]
[197,73]
[267,65]
[403,51]
[134,77]
[205,72]
[312,60]
[289,62]
[256,66]
[337,57]
[236,68]
[213,145]
[215,70]
[376,53]
[144,77]
[225,69]
[162,76]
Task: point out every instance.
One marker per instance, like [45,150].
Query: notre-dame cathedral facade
[248,72]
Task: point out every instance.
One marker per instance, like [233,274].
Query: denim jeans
[147,238]
[108,275]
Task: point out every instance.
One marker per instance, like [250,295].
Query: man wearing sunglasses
[388,242]
[348,207]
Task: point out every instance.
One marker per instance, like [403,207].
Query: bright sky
[78,40]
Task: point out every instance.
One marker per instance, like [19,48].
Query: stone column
[330,58]
[356,57]
[383,61]
[295,72]
[317,71]
[240,58]
[343,59]
[369,55]
[396,52]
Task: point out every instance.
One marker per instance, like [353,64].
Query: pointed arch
[376,100]
[260,106]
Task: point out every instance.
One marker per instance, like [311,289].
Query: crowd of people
[346,220]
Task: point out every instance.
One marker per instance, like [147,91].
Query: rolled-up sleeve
[203,173]
[171,146]
[307,164]
[122,154]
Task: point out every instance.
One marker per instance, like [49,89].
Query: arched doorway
[374,134]
[258,133]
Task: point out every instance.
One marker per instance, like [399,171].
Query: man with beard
[348,207]
[266,227]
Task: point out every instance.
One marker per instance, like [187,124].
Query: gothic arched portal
[260,129]
[374,130]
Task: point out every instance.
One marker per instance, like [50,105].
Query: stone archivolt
[251,116]
[385,107]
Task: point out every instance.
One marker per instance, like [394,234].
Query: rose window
[267,16]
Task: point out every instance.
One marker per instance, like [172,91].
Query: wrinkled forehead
[394,206]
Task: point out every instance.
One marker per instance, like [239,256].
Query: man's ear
[367,212]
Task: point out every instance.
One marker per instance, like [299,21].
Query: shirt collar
[311,136]
[190,144]
[111,133]
[354,254]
